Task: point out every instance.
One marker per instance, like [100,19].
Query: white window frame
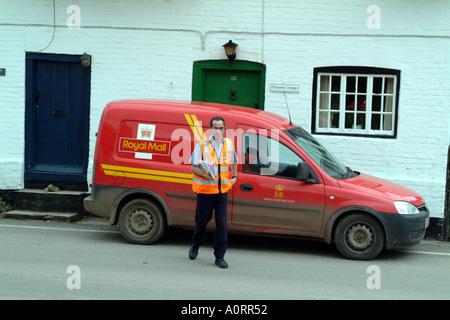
[378,106]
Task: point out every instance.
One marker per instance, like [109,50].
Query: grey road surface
[90,260]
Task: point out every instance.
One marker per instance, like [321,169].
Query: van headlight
[404,207]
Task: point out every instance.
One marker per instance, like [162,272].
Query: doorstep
[35,215]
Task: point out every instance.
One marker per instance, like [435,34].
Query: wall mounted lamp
[85,60]
[230,50]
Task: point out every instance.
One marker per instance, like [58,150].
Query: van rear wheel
[141,222]
[359,237]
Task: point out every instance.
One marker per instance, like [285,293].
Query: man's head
[215,119]
[217,125]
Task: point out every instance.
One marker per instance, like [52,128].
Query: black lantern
[230,50]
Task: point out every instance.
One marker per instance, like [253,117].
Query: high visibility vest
[202,185]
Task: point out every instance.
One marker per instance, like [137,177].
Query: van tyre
[141,222]
[359,237]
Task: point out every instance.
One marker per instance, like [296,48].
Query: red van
[288,183]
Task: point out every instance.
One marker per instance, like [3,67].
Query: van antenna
[287,105]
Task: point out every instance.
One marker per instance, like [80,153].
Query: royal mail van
[288,183]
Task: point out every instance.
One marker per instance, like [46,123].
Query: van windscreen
[318,153]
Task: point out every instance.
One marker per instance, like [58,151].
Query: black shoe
[221,263]
[193,252]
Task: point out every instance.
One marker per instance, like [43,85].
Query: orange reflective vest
[202,185]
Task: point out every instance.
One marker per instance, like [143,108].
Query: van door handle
[246,187]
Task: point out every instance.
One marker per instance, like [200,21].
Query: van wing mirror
[303,171]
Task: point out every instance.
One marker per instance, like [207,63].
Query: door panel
[242,84]
[57,118]
[267,195]
[51,113]
[235,87]
[277,203]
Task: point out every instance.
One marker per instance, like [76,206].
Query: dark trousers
[206,203]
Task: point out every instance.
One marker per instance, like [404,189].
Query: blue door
[57,118]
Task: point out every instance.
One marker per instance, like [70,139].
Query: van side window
[265,156]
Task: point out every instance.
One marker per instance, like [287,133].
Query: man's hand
[207,176]
[200,173]
[233,181]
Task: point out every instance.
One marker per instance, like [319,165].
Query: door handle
[246,187]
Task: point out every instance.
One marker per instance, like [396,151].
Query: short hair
[216,118]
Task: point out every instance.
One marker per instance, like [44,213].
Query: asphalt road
[90,260]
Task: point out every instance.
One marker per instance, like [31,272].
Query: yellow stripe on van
[198,126]
[147,174]
[195,127]
[191,124]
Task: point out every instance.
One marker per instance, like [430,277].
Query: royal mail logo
[279,187]
[144,146]
[146,132]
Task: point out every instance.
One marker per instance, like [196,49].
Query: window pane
[389,85]
[376,103]
[387,122]
[335,120]
[323,119]
[361,121]
[350,102]
[288,161]
[324,99]
[387,107]
[377,84]
[336,83]
[361,103]
[266,156]
[351,84]
[349,119]
[335,101]
[324,83]
[376,118]
[251,152]
[362,84]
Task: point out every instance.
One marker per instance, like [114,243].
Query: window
[355,101]
[266,156]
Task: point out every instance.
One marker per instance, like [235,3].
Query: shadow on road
[273,244]
[257,242]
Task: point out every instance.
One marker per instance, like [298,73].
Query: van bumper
[405,231]
[101,200]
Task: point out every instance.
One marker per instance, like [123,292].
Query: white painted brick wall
[146,49]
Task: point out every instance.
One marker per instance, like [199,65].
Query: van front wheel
[141,222]
[359,237]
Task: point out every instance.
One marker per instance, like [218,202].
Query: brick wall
[146,49]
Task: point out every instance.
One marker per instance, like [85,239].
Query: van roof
[264,117]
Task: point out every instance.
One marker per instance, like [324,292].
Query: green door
[241,85]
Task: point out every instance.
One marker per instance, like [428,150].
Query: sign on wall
[284,87]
